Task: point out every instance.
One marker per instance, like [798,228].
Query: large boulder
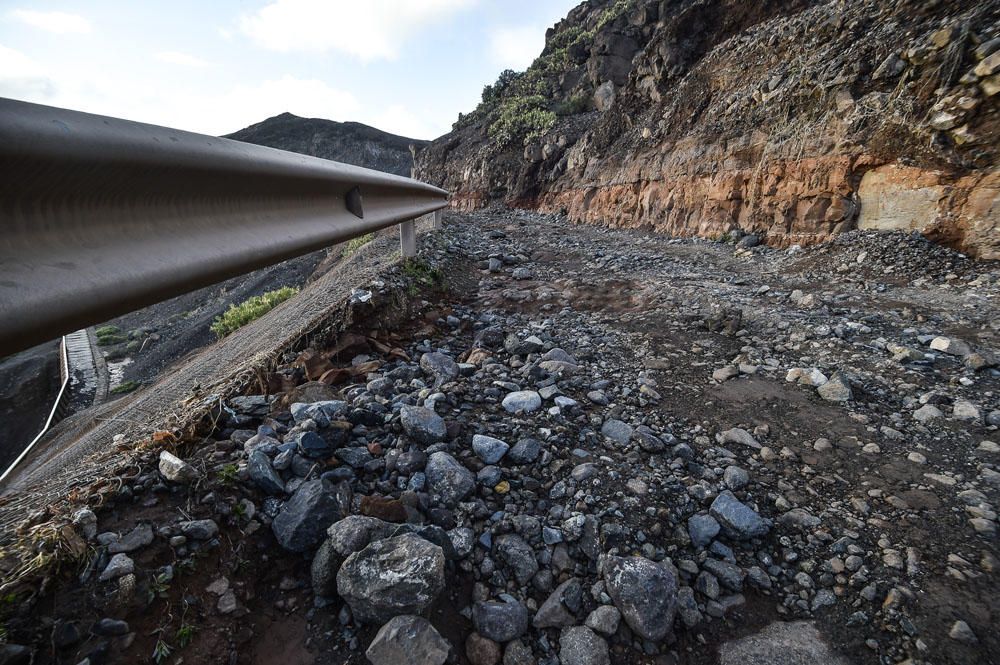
[401,575]
[408,639]
[448,479]
[302,521]
[644,592]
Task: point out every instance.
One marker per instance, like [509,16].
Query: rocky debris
[176,470]
[795,643]
[641,501]
[408,639]
[401,575]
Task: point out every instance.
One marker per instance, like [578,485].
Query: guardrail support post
[408,239]
[436,221]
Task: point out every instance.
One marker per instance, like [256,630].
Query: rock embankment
[796,121]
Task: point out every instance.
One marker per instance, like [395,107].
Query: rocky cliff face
[794,120]
[348,142]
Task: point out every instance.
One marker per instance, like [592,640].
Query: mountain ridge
[348,142]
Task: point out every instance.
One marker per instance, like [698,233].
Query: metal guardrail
[101,216]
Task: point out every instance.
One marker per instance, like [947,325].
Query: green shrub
[578,103]
[124,387]
[109,335]
[250,310]
[521,118]
[354,244]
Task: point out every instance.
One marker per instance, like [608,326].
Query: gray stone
[781,643]
[579,645]
[408,639]
[488,449]
[702,529]
[738,520]
[120,564]
[735,478]
[448,479]
[518,555]
[523,401]
[837,389]
[525,451]
[199,529]
[422,425]
[303,519]
[322,413]
[140,536]
[439,366]
[560,608]
[500,621]
[617,431]
[401,575]
[644,592]
[729,574]
[740,436]
[604,619]
[263,475]
[176,470]
[312,445]
[961,631]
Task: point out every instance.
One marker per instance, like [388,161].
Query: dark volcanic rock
[401,575]
[303,519]
[644,592]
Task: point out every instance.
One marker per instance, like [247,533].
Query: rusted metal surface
[101,216]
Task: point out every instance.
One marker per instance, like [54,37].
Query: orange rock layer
[788,202]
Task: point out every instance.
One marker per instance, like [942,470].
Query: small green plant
[184,635]
[124,387]
[159,587]
[161,651]
[354,244]
[228,474]
[421,272]
[249,310]
[109,335]
[240,511]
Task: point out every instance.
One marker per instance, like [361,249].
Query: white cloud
[178,58]
[516,47]
[247,104]
[367,29]
[60,23]
[23,78]
[398,119]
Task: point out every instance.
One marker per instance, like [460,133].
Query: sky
[405,66]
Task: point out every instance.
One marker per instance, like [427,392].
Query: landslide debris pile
[582,446]
[795,120]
